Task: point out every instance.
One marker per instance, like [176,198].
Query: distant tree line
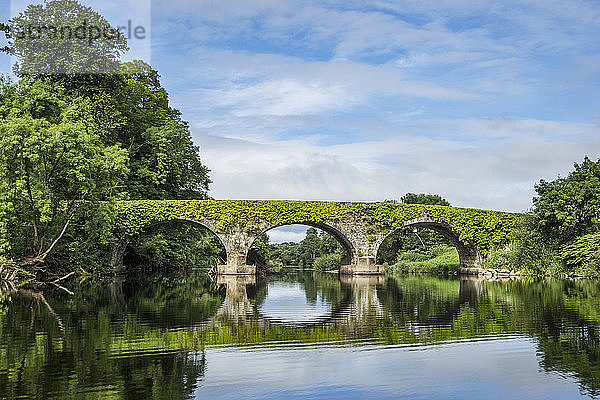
[318,250]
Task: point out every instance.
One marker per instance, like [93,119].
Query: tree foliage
[527,250]
[569,207]
[72,132]
[63,37]
[164,162]
[422,198]
[176,246]
[583,255]
[51,159]
[328,262]
[409,240]
[560,237]
[315,246]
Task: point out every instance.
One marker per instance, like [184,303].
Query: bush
[413,256]
[274,266]
[527,251]
[583,255]
[592,267]
[441,259]
[328,262]
[501,258]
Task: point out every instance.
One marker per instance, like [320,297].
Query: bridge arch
[468,254]
[119,248]
[349,248]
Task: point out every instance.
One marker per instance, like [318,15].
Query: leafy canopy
[569,207]
[63,37]
[51,159]
[422,198]
[81,125]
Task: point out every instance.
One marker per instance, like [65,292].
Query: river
[302,335]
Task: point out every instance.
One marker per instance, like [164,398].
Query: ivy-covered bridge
[359,227]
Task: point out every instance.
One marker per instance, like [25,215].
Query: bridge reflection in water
[358,304]
[132,329]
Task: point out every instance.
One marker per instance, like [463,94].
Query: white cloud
[499,175]
[287,233]
[284,97]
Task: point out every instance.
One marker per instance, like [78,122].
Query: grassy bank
[438,260]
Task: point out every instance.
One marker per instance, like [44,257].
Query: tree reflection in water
[147,338]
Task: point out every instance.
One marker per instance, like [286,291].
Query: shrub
[583,255]
[413,256]
[328,262]
[527,251]
[441,259]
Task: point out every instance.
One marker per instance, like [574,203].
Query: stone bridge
[360,228]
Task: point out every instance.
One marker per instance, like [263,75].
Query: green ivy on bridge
[486,229]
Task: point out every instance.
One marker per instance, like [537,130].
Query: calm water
[302,335]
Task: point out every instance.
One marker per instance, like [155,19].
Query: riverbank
[445,261]
[11,275]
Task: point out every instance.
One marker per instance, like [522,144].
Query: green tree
[422,198]
[328,262]
[63,37]
[177,246]
[415,239]
[329,244]
[569,207]
[51,159]
[583,255]
[309,248]
[124,113]
[129,106]
[165,163]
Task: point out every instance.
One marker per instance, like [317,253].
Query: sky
[368,100]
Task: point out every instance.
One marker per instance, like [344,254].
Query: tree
[569,207]
[309,247]
[165,163]
[129,106]
[177,246]
[124,114]
[328,262]
[51,161]
[63,37]
[329,244]
[422,198]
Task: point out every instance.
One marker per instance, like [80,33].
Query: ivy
[484,228]
[582,251]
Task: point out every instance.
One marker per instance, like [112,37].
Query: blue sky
[368,100]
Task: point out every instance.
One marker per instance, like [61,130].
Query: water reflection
[156,338]
[286,303]
[236,308]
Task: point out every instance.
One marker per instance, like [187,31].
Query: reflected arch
[336,309]
[468,254]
